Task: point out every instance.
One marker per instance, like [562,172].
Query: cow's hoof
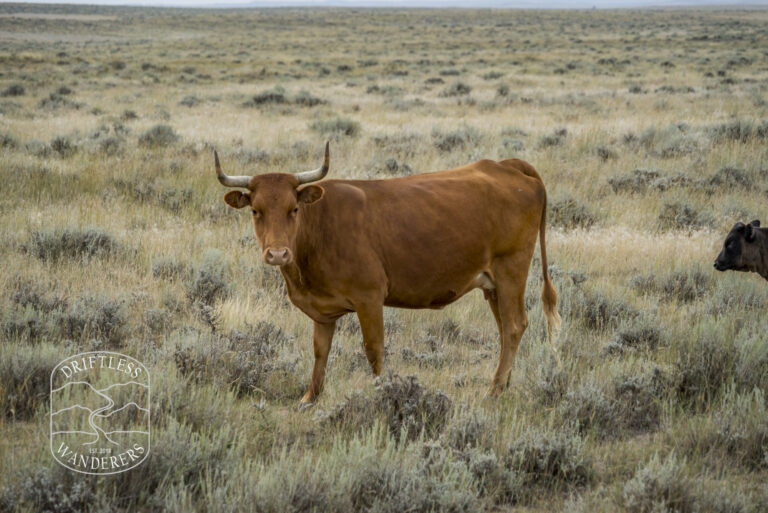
[494,392]
[305,406]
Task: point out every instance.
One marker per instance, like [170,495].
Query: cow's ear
[749,233]
[237,199]
[311,193]
[738,227]
[755,223]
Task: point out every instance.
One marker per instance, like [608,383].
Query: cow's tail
[548,294]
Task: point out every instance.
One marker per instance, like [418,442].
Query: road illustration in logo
[99,420]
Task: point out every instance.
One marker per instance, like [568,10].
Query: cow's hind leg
[510,275]
[489,291]
[322,340]
[372,325]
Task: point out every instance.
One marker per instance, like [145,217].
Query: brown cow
[420,241]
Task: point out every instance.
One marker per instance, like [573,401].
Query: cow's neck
[293,277]
[764,256]
[763,243]
[298,274]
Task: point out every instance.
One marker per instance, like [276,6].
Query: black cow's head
[740,250]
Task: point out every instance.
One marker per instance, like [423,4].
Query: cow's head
[276,201]
[740,252]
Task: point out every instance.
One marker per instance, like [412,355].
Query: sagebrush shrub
[257,359]
[660,486]
[740,431]
[169,268]
[458,139]
[307,99]
[555,139]
[401,403]
[550,459]
[739,130]
[274,96]
[456,89]
[14,90]
[470,429]
[8,141]
[25,373]
[588,407]
[211,279]
[93,316]
[75,243]
[159,136]
[337,127]
[64,146]
[49,489]
[599,311]
[682,216]
[704,365]
[638,333]
[683,285]
[730,177]
[570,213]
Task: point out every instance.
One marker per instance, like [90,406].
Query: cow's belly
[438,295]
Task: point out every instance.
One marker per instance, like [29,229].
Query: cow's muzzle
[278,256]
[720,266]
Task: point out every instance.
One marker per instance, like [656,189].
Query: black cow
[745,249]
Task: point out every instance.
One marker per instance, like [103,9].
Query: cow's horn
[229,181]
[316,174]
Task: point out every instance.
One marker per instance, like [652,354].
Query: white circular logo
[100,412]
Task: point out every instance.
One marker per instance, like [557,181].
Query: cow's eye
[256,213]
[296,210]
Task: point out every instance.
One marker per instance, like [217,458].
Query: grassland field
[649,128]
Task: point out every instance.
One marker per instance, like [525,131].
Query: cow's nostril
[280,256]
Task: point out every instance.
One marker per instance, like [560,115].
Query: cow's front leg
[372,324]
[322,340]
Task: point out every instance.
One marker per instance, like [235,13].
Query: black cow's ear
[755,223]
[749,233]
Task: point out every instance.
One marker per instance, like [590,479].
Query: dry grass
[650,129]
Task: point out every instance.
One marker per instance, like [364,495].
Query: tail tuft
[549,303]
